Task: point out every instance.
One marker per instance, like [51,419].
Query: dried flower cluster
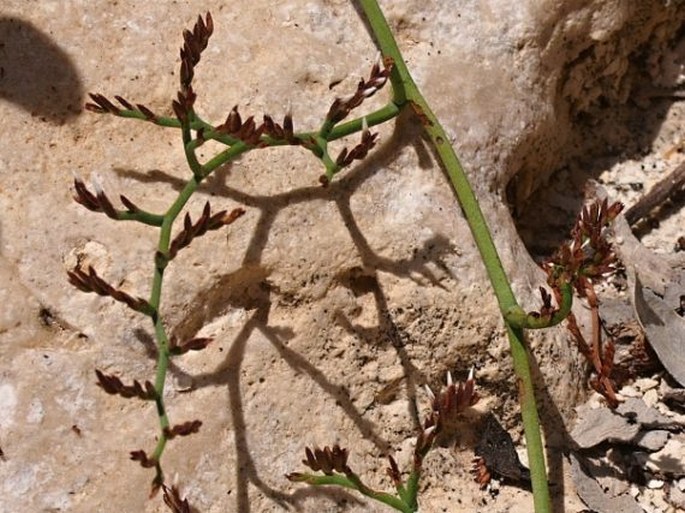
[113,385]
[194,43]
[446,406]
[206,222]
[173,500]
[332,461]
[327,460]
[240,135]
[102,105]
[359,152]
[250,133]
[88,280]
[341,107]
[142,457]
[480,472]
[91,282]
[99,202]
[185,429]
[583,261]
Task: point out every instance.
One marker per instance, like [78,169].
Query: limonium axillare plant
[577,265]
[446,406]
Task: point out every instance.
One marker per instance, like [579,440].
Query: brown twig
[657,195]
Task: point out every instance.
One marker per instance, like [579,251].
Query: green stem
[163,354]
[142,217]
[377,117]
[519,319]
[353,482]
[200,171]
[531,422]
[412,489]
[406,91]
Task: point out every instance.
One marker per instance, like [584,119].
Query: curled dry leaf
[657,282]
[599,425]
[497,455]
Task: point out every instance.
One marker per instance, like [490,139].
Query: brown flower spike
[90,282]
[173,500]
[113,385]
[585,260]
[327,460]
[205,223]
[341,107]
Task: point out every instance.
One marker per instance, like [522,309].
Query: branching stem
[406,94]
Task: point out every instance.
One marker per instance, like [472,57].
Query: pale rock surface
[317,298]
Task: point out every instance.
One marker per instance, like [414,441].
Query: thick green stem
[531,421]
[406,91]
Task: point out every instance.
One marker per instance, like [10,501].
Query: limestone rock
[316,298]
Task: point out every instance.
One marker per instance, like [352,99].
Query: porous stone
[312,284]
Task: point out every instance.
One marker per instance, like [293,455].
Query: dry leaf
[601,424]
[594,497]
[665,329]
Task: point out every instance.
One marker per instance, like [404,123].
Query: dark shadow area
[36,74]
[547,218]
[229,375]
[386,331]
[607,132]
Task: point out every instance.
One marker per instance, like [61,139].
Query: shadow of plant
[250,288]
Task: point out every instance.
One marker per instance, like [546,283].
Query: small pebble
[655,484]
[183,383]
[644,384]
[681,484]
[629,391]
[660,503]
[677,498]
[594,401]
[494,486]
[653,440]
[651,397]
